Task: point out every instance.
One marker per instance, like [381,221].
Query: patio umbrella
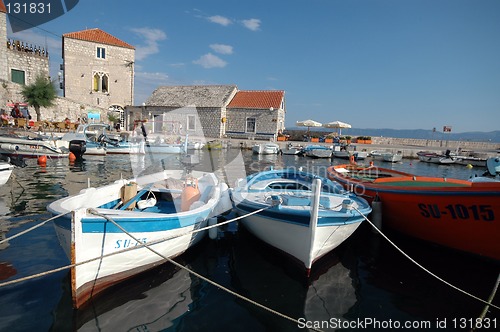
[308,124]
[337,125]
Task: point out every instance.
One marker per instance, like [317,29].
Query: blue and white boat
[303,215]
[318,151]
[104,231]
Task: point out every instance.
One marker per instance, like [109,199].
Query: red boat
[459,214]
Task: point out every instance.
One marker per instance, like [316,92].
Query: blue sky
[401,64]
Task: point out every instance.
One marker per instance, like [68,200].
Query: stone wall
[266,123]
[31,62]
[166,120]
[80,65]
[63,107]
[443,144]
[3,50]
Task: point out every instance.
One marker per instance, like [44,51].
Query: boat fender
[225,204]
[377,213]
[352,160]
[189,195]
[212,232]
[146,203]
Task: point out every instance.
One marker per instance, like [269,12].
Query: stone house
[20,63]
[98,70]
[214,111]
[256,115]
[198,110]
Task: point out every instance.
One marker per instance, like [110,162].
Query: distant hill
[475,136]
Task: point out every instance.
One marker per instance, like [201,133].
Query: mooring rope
[147,246]
[423,268]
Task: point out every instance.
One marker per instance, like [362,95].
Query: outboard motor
[78,148]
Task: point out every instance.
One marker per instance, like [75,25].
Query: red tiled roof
[257,99]
[97,36]
[2,7]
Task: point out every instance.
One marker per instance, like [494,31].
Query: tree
[41,93]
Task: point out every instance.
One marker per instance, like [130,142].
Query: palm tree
[41,93]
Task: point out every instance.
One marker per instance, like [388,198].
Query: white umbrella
[309,124]
[337,125]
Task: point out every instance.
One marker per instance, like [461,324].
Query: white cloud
[210,61]
[222,49]
[220,20]
[252,24]
[151,38]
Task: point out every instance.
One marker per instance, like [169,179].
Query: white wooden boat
[343,153]
[318,151]
[93,134]
[5,172]
[157,210]
[389,156]
[292,150]
[436,157]
[266,148]
[305,216]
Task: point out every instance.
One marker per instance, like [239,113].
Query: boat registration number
[458,211]
[129,243]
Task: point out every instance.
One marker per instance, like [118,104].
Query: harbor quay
[407,146]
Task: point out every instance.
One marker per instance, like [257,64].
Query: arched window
[100,82]
[96,80]
[104,83]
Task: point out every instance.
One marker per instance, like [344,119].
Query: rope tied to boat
[424,268]
[213,283]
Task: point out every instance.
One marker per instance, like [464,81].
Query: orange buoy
[351,159]
[189,195]
[371,163]
[42,160]
[71,156]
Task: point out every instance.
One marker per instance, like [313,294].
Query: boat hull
[5,172]
[90,279]
[464,217]
[295,239]
[288,221]
[107,245]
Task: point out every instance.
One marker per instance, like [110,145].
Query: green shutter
[17,76]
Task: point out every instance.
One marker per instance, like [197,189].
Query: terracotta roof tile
[97,36]
[257,99]
[2,7]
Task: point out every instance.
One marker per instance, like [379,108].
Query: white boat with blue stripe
[302,214]
[107,229]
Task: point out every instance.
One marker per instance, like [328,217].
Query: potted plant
[348,139]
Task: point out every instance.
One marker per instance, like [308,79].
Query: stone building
[256,114]
[20,62]
[214,111]
[198,110]
[98,69]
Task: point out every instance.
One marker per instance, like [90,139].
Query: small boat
[343,153]
[111,225]
[5,172]
[266,148]
[93,134]
[382,155]
[305,216]
[492,173]
[30,147]
[436,157]
[454,213]
[292,150]
[213,145]
[318,151]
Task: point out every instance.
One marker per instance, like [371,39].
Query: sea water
[364,284]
